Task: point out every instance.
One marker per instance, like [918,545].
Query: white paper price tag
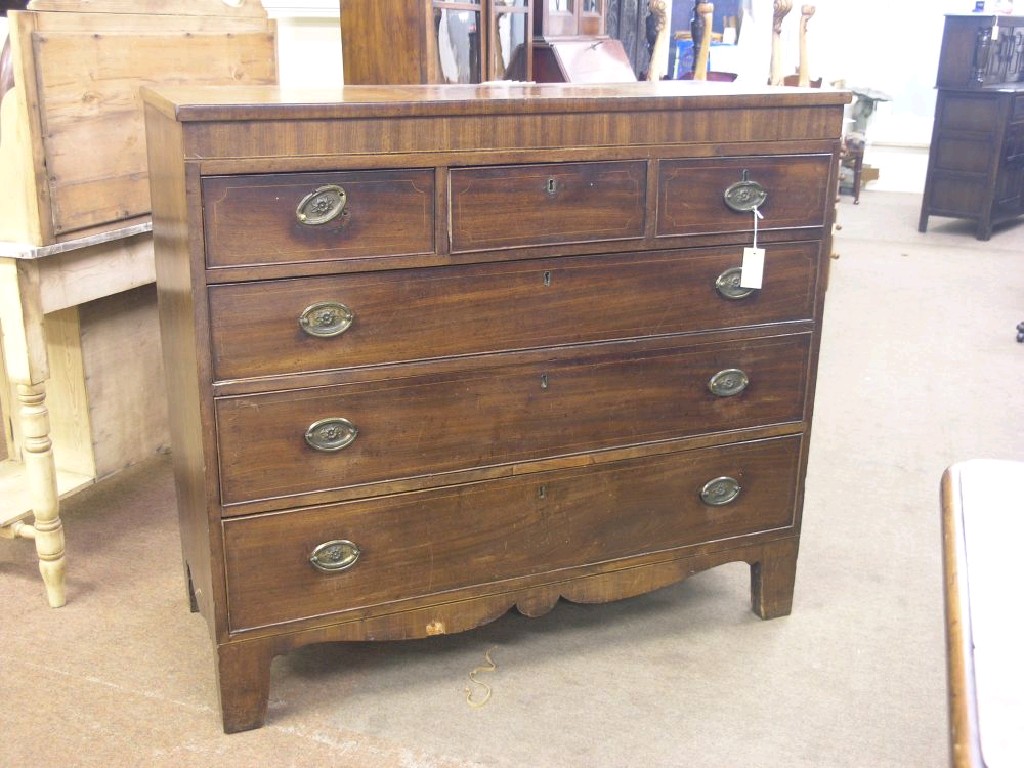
[752,269]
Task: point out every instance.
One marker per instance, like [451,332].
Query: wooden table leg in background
[21,321]
[46,528]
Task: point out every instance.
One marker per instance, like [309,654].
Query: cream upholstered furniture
[982,527]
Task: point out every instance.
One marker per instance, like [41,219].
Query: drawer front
[289,218]
[419,426]
[417,544]
[290,326]
[548,204]
[692,193]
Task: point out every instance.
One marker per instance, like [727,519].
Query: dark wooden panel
[966,112]
[385,42]
[691,193]
[426,543]
[506,206]
[971,153]
[956,195]
[252,219]
[1018,107]
[418,314]
[604,397]
[974,167]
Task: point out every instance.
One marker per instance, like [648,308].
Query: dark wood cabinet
[572,44]
[976,160]
[436,353]
[403,42]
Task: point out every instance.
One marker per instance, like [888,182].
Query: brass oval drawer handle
[729,382]
[745,195]
[720,491]
[325,319]
[331,435]
[334,556]
[728,284]
[322,205]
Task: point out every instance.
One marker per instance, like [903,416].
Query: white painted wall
[890,46]
[308,42]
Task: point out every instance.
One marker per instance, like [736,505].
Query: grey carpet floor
[919,369]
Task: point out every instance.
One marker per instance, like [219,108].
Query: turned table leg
[772,579]
[24,349]
[47,530]
[243,678]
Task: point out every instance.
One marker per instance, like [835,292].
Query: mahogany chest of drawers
[438,352]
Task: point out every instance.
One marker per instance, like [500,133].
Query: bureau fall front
[434,353]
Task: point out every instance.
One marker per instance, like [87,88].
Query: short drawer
[291,443]
[546,204]
[792,190]
[418,544]
[323,323]
[297,217]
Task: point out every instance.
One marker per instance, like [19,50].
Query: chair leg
[858,169]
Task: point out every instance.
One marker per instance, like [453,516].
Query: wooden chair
[700,31]
[802,76]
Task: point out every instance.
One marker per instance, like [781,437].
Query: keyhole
[542,492]
[552,186]
[543,381]
[547,279]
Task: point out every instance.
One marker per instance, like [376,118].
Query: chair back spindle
[782,7]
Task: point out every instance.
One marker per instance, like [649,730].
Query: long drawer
[290,443]
[298,217]
[791,191]
[546,204]
[324,323]
[490,532]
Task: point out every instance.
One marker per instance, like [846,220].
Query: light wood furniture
[804,66]
[659,51]
[437,352]
[780,11]
[35,282]
[701,34]
[982,526]
[74,225]
[976,160]
[802,77]
[405,42]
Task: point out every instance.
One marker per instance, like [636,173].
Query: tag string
[757,215]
